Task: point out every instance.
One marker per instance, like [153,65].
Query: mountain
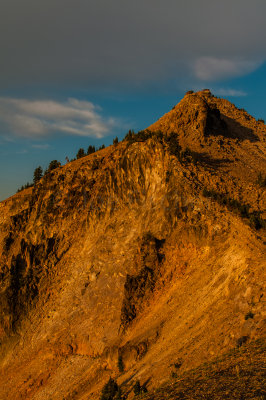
[143,261]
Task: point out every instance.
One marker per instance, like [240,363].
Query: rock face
[150,250]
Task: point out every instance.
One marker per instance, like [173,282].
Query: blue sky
[80,72]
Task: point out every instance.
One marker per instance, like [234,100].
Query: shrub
[178,364]
[249,315]
[138,389]
[242,340]
[261,180]
[255,221]
[109,390]
[190,91]
[261,120]
[254,218]
[95,164]
[173,145]
[188,155]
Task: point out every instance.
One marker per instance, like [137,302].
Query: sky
[75,73]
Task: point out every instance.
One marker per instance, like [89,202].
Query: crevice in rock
[138,288]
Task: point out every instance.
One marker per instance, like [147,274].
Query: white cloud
[229,92]
[38,118]
[213,68]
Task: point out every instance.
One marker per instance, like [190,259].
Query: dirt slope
[144,250]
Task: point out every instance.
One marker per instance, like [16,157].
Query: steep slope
[143,250]
[238,374]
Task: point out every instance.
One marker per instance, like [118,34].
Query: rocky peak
[201,119]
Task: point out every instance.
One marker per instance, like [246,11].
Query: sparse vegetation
[178,364]
[175,149]
[95,164]
[173,145]
[26,186]
[142,136]
[50,204]
[138,389]
[249,315]
[242,340]
[110,390]
[237,375]
[171,141]
[261,180]
[254,218]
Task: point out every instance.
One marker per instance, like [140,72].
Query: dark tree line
[39,173]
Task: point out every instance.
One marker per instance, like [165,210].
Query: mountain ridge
[123,253]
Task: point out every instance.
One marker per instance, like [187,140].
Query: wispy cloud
[39,118]
[23,151]
[229,92]
[44,146]
[213,68]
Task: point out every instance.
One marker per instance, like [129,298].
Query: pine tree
[91,149]
[130,135]
[80,153]
[115,141]
[37,175]
[53,165]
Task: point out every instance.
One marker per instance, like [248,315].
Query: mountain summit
[143,262]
